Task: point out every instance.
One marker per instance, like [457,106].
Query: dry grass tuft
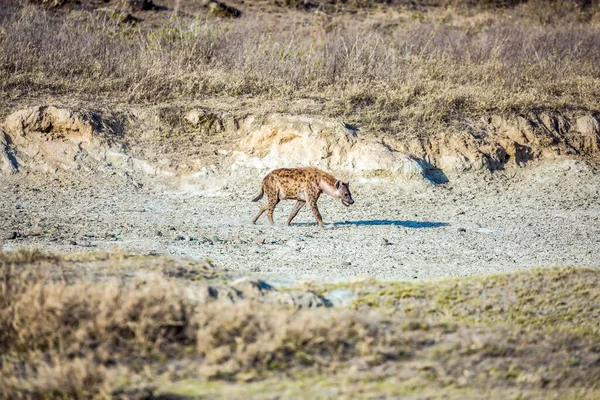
[117,338]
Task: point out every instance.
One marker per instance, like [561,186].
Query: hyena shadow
[384,222]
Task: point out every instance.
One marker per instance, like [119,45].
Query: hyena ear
[348,184]
[338,184]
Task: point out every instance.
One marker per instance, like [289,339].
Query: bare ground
[548,215]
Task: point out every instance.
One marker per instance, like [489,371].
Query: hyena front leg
[297,207]
[312,202]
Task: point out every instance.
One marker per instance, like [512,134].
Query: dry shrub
[74,340]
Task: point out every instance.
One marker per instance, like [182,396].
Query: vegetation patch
[415,70]
[131,334]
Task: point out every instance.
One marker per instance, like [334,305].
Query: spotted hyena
[304,185]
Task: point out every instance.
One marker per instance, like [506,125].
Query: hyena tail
[260,195]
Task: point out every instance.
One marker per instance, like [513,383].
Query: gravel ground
[548,215]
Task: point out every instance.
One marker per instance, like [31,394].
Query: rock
[200,117]
[159,233]
[586,137]
[13,235]
[260,240]
[141,5]
[237,240]
[222,10]
[35,232]
[210,293]
[588,125]
[252,288]
[340,297]
[461,230]
[8,162]
[300,299]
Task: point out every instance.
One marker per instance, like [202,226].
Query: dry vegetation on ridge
[98,325]
[390,67]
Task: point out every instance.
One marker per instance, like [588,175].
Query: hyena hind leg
[273,201]
[262,209]
[297,207]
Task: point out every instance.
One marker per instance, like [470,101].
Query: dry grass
[412,71]
[90,337]
[564,299]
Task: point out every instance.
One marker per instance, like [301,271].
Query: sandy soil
[548,215]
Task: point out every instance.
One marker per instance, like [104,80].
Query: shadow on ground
[405,224]
[381,222]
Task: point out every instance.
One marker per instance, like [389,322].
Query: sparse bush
[415,76]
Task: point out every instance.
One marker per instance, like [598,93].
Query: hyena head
[342,192]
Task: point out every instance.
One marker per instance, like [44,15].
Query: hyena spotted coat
[304,185]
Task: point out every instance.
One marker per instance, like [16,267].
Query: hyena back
[304,185]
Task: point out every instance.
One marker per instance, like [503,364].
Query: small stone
[222,10]
[385,242]
[346,263]
[260,240]
[141,5]
[13,235]
[35,232]
[340,297]
[216,239]
[179,237]
[237,240]
[461,230]
[159,233]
